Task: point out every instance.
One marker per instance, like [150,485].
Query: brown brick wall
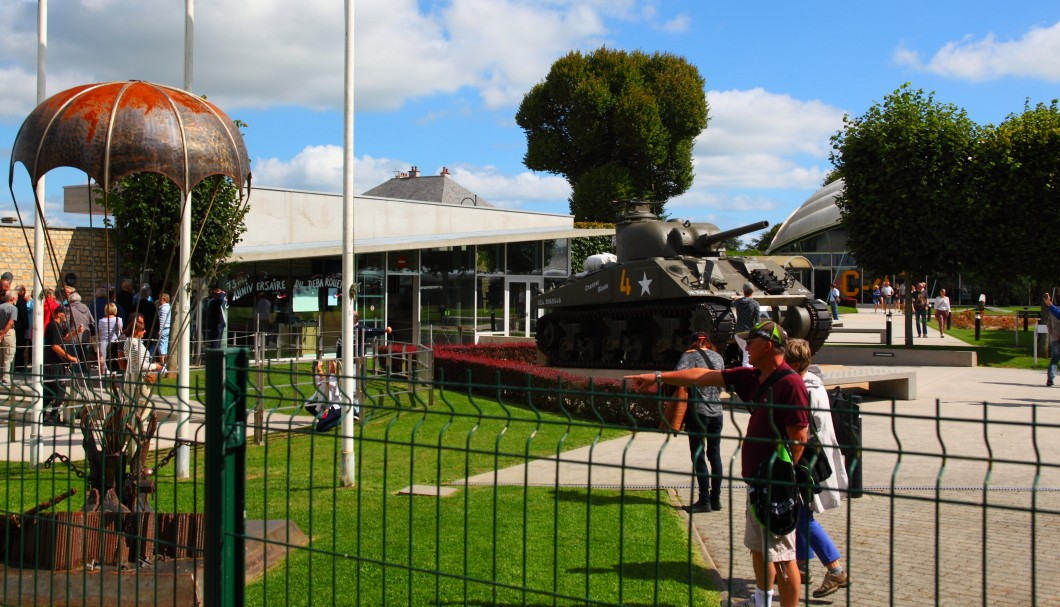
[78,250]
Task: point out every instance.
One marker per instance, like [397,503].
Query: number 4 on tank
[625,285]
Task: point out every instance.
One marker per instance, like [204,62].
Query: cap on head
[748,288]
[767,330]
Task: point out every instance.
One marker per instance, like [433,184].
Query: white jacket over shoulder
[821,413]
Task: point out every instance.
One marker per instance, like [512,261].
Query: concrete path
[974,548]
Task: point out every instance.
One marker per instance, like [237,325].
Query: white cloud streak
[1035,55]
[319,169]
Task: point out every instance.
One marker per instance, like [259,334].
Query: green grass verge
[507,545]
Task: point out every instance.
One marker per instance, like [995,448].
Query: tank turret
[671,279]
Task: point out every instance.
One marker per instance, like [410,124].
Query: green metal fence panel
[478,490]
[226,440]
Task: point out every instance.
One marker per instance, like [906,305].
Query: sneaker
[742,602]
[700,506]
[831,583]
[1048,382]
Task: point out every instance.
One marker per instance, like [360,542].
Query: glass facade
[440,295]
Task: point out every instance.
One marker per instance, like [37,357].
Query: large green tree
[1020,190]
[617,125]
[146,211]
[908,166]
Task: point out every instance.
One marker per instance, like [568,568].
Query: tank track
[639,337]
[820,324]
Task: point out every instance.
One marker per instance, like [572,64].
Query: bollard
[889,329]
[978,325]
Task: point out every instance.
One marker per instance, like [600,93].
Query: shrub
[511,373]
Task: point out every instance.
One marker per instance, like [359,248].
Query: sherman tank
[667,280]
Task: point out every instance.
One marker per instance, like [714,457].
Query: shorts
[162,347]
[780,548]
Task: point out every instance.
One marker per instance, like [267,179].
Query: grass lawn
[521,545]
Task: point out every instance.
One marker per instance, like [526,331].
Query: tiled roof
[431,188]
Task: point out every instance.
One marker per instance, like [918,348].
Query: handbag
[674,408]
[813,468]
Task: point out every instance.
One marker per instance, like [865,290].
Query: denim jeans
[921,322]
[699,427]
[835,310]
[1054,351]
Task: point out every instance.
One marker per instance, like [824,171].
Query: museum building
[434,261]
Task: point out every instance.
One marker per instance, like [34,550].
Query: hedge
[510,372]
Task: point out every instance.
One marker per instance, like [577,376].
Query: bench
[884,382]
[881,332]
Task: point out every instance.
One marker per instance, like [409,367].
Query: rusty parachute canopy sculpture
[116,129]
[111,131]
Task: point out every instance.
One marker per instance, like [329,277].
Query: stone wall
[82,251]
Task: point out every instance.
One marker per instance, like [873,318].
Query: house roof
[431,188]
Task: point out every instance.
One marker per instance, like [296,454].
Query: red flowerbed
[965,319]
[512,373]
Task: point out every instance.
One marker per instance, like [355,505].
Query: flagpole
[349,288]
[37,345]
[182,312]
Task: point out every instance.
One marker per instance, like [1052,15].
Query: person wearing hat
[705,421]
[747,316]
[768,380]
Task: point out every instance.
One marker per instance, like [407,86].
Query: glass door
[522,313]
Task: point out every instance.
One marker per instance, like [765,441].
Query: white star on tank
[645,284]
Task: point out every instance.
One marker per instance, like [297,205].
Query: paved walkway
[974,547]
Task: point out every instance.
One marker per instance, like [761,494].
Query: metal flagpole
[37,347]
[349,282]
[182,311]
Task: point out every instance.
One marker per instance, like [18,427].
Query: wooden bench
[884,382]
[840,330]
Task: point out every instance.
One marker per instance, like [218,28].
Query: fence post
[226,422]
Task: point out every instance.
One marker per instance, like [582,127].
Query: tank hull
[640,314]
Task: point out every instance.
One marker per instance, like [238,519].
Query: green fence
[476,495]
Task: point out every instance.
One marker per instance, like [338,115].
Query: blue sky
[438,82]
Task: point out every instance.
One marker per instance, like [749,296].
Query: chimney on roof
[445,170]
[414,172]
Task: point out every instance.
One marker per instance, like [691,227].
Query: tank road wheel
[587,343]
[611,352]
[811,321]
[549,336]
[671,336]
[636,347]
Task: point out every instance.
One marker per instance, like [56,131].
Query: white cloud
[511,191]
[276,52]
[319,168]
[758,139]
[1035,55]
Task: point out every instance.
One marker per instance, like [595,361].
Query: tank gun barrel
[709,241]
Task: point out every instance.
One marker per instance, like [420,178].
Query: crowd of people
[124,332]
[779,372]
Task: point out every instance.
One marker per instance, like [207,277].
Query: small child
[324,404]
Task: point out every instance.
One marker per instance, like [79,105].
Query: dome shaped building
[814,231]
